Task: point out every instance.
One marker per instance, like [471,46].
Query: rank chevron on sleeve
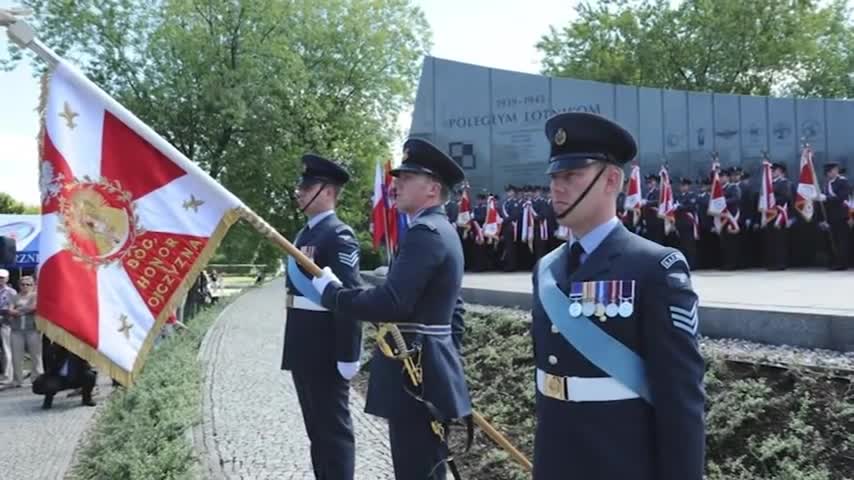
[350,259]
[687,320]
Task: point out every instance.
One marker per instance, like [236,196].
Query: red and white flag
[128,222]
[528,220]
[666,204]
[771,212]
[634,195]
[492,225]
[807,191]
[393,226]
[850,204]
[717,201]
[464,215]
[379,210]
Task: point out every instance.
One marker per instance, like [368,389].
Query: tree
[244,88]
[730,46]
[9,205]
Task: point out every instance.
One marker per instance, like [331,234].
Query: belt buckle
[555,386]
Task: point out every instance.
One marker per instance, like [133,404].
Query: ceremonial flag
[392,217]
[717,201]
[634,196]
[492,225]
[666,204]
[379,212]
[807,191]
[128,222]
[528,217]
[850,204]
[464,216]
[771,212]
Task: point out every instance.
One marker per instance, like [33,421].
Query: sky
[493,33]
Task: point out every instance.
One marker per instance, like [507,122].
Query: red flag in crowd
[807,190]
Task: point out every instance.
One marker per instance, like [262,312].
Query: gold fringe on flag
[89,352]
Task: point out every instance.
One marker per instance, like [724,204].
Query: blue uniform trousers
[324,400]
[417,452]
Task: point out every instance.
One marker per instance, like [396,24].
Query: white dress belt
[302,303]
[582,389]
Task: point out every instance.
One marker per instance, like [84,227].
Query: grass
[144,433]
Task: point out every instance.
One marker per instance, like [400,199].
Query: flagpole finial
[8,16]
[22,34]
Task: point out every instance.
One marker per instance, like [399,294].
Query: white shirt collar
[313,221]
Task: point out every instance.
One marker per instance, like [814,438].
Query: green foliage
[10,205]
[142,433]
[761,424]
[759,47]
[245,88]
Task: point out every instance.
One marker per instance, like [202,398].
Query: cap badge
[560,137]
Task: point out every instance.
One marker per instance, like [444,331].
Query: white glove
[348,370]
[822,197]
[322,281]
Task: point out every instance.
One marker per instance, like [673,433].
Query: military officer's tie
[575,252]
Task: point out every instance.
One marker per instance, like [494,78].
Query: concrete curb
[801,329]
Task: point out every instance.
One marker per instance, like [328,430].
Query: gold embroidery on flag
[126,326]
[193,203]
[98,221]
[68,114]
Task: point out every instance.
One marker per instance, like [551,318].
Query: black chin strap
[322,186]
[583,194]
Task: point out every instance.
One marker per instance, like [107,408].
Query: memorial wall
[491,121]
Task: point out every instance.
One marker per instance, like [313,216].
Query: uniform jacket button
[554,329]
[552,360]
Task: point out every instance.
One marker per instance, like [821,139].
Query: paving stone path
[38,444]
[252,426]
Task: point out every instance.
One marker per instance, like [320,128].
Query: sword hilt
[400,351]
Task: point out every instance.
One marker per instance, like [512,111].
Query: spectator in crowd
[6,295]
[24,336]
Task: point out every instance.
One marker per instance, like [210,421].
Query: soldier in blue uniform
[835,191]
[776,234]
[511,213]
[618,369]
[322,348]
[730,241]
[653,224]
[421,296]
[687,221]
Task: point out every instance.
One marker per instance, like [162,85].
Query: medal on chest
[576,295]
[627,298]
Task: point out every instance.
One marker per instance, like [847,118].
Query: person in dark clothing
[835,194]
[511,213]
[730,229]
[709,244]
[653,225]
[750,235]
[64,371]
[686,221]
[776,232]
